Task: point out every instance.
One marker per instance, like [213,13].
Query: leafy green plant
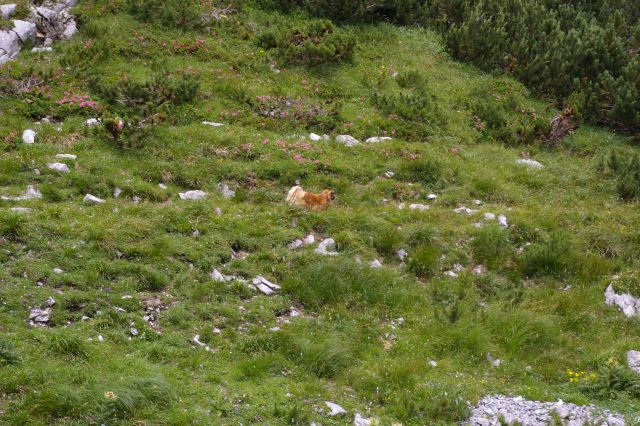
[555,256]
[9,354]
[181,14]
[424,260]
[318,42]
[626,172]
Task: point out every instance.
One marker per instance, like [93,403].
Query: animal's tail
[295,194]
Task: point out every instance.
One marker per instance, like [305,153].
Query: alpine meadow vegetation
[473,237]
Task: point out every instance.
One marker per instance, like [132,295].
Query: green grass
[568,226]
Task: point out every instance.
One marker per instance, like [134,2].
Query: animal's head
[331,195]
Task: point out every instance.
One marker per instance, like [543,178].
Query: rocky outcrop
[498,410]
[48,22]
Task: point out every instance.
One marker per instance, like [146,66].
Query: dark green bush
[318,42]
[491,245]
[554,257]
[558,48]
[181,14]
[626,172]
[8,353]
[423,262]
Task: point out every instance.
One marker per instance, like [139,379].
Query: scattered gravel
[534,413]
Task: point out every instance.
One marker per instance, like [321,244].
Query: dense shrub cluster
[317,42]
[181,14]
[626,171]
[581,50]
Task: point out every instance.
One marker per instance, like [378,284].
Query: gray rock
[633,360]
[6,10]
[93,199]
[358,420]
[336,410]
[323,247]
[42,49]
[530,163]
[192,195]
[629,305]
[25,30]
[347,140]
[59,167]
[264,285]
[31,193]
[20,210]
[226,191]
[9,46]
[29,136]
[377,139]
[68,156]
[534,413]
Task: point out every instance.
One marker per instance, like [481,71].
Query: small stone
[451,274]
[117,192]
[216,275]
[489,216]
[432,197]
[21,210]
[466,210]
[420,207]
[502,220]
[389,174]
[633,360]
[336,410]
[218,211]
[315,137]
[358,420]
[25,30]
[347,140]
[58,271]
[162,186]
[402,254]
[42,49]
[323,247]
[6,10]
[375,263]
[479,270]
[91,122]
[433,363]
[68,156]
[93,199]
[377,139]
[212,124]
[192,195]
[29,136]
[294,245]
[100,338]
[530,163]
[226,191]
[59,167]
[264,285]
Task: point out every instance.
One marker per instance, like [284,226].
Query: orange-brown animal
[299,197]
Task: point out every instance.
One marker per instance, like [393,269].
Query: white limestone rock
[59,167]
[347,140]
[91,199]
[192,195]
[29,135]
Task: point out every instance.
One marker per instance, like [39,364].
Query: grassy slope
[336,351]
